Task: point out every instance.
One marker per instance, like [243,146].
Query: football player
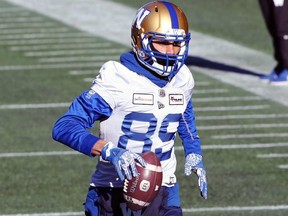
[141,102]
[275,13]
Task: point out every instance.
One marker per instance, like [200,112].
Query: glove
[194,163]
[123,160]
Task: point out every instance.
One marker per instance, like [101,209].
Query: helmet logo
[142,13]
[179,32]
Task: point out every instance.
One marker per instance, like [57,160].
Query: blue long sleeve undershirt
[72,128]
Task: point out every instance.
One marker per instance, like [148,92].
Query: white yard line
[75,52]
[83,72]
[21,19]
[23,13]
[283,166]
[49,41]
[177,148]
[88,80]
[242,126]
[61,46]
[253,116]
[22,68]
[242,146]
[245,136]
[272,155]
[230,108]
[23,25]
[31,30]
[216,99]
[210,91]
[36,154]
[3,38]
[238,208]
[78,59]
[49,214]
[34,106]
[11,10]
[203,83]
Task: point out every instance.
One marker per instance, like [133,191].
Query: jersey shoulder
[113,71]
[113,82]
[115,76]
[186,74]
[184,80]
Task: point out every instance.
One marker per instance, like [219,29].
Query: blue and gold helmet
[160,21]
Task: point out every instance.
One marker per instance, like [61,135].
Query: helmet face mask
[160,22]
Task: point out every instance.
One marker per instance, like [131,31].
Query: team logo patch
[162,93]
[176,99]
[143,99]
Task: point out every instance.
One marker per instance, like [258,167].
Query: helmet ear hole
[156,9]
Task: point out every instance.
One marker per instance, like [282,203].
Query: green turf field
[45,64]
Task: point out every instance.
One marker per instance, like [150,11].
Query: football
[140,191]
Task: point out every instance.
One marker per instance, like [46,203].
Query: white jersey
[145,117]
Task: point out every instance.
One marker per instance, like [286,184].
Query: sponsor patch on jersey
[176,99]
[143,99]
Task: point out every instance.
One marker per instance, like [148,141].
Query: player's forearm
[188,132]
[73,135]
[97,147]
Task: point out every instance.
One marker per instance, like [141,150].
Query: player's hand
[195,164]
[123,160]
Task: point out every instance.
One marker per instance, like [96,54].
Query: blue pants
[110,202]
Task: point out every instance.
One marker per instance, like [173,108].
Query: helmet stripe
[173,14]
